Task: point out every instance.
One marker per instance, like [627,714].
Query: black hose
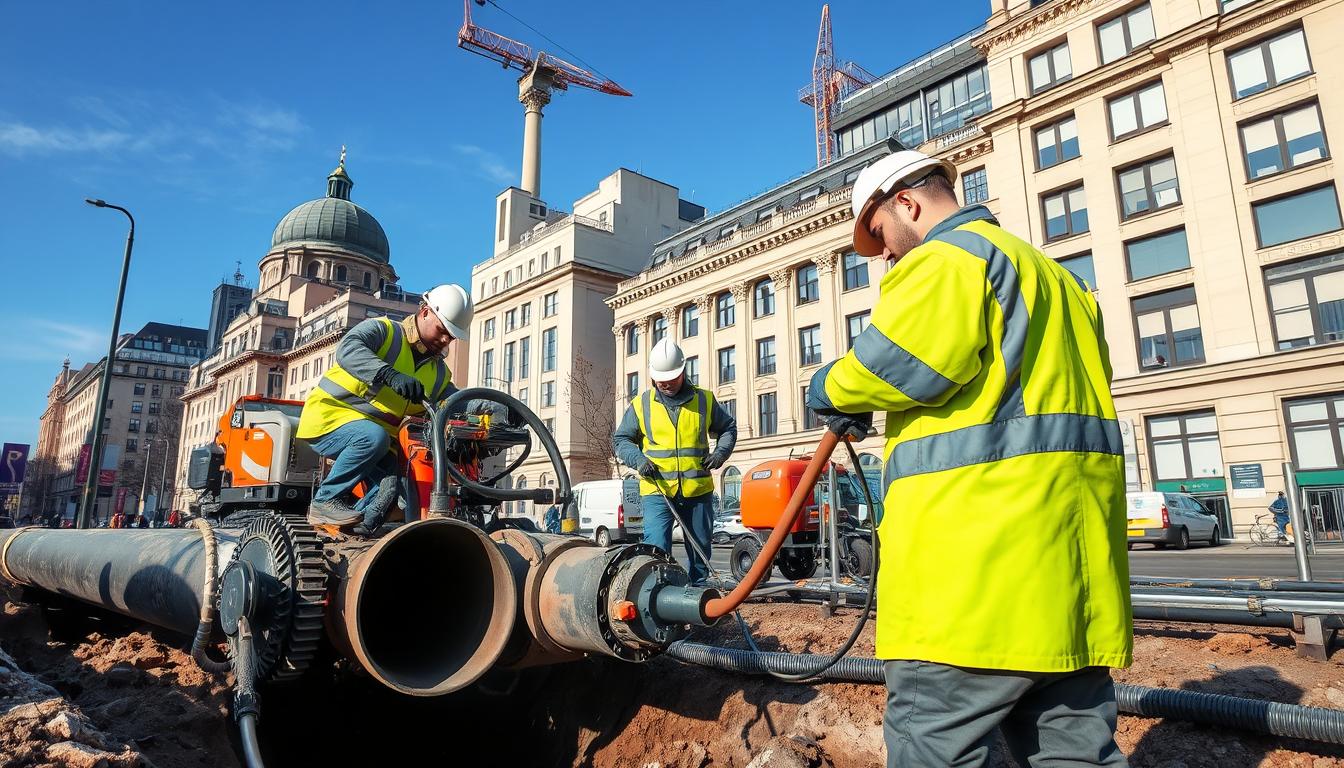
[444,468]
[246,703]
[509,470]
[1288,720]
[247,731]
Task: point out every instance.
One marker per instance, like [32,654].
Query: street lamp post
[163,481]
[96,458]
[144,481]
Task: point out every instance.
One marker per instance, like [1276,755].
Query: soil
[145,701]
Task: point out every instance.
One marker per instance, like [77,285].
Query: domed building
[327,269]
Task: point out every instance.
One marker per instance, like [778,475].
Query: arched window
[340,274]
[732,489]
[368,280]
[313,268]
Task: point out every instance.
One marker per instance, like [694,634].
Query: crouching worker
[384,372]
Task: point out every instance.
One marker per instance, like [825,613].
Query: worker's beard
[900,239]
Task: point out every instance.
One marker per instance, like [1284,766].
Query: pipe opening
[434,605]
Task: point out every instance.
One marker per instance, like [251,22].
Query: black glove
[648,471]
[851,425]
[408,387]
[714,461]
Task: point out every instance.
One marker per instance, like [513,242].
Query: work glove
[714,461]
[648,471]
[852,425]
[408,387]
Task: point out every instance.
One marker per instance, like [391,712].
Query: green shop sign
[1195,485]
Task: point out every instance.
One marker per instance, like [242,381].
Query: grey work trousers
[939,716]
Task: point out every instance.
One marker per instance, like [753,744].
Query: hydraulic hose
[209,593]
[1288,720]
[444,468]
[722,606]
[246,704]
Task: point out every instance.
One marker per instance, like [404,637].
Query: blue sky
[211,121]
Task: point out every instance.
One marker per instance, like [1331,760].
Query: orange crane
[830,84]
[542,73]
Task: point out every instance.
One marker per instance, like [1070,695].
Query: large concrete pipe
[153,575]
[427,609]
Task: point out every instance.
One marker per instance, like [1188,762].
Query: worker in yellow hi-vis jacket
[1002,455]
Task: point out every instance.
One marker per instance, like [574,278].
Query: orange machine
[766,490]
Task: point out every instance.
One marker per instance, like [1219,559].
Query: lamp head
[96,203]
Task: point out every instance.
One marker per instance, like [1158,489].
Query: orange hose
[722,606]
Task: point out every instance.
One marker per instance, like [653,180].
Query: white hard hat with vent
[666,361]
[451,304]
[879,179]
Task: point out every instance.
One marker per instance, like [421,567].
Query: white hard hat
[451,304]
[666,361]
[880,178]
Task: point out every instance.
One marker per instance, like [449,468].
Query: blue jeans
[697,514]
[1281,520]
[359,453]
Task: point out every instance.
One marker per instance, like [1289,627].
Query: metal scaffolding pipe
[155,575]
[1222,616]
[1252,603]
[1268,585]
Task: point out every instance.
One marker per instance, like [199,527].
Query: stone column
[746,358]
[621,366]
[786,352]
[642,327]
[828,290]
[670,317]
[709,358]
[534,93]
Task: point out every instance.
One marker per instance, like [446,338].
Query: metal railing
[551,226]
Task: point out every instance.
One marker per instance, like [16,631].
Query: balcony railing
[551,226]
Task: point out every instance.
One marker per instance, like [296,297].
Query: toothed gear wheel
[287,548]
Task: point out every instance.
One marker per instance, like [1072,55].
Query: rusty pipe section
[427,609]
[154,575]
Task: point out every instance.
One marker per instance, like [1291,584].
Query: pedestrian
[384,371]
[664,436]
[552,520]
[174,519]
[989,360]
[1280,509]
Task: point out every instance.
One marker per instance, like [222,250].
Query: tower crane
[542,74]
[830,84]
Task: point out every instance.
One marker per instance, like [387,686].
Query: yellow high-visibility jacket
[340,397]
[677,450]
[1003,535]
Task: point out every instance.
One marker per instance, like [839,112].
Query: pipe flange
[614,566]
[4,556]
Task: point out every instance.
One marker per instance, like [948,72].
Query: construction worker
[1003,591]
[664,436]
[384,371]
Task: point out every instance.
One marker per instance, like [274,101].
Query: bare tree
[592,398]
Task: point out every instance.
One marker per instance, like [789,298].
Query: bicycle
[1264,533]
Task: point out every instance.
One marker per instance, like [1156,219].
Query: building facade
[140,424]
[328,269]
[1176,155]
[542,330]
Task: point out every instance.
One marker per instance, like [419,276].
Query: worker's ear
[906,205]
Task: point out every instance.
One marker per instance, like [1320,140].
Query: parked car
[608,510]
[728,527]
[1174,519]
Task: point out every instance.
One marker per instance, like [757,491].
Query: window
[953,102]
[1081,267]
[727,365]
[809,288]
[727,231]
[153,408]
[341,273]
[152,427]
[522,395]
[854,325]
[525,315]
[767,412]
[631,340]
[765,298]
[659,331]
[139,389]
[1185,446]
[693,370]
[545,260]
[548,350]
[1283,141]
[1307,300]
[132,445]
[732,487]
[764,214]
[156,390]
[1050,68]
[549,304]
[1157,255]
[810,420]
[631,386]
[1293,217]
[690,321]
[730,406]
[809,194]
[547,394]
[1148,187]
[1168,329]
[1232,5]
[1315,429]
[809,345]
[725,310]
[856,271]
[1137,111]
[1057,142]
[1269,63]
[489,331]
[1121,35]
[974,187]
[524,357]
[1065,213]
[510,320]
[509,352]
[133,426]
[765,356]
[487,366]
[137,406]
[304,375]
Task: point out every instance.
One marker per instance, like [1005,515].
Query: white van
[1174,519]
[608,510]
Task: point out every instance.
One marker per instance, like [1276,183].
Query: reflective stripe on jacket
[1003,538]
[677,450]
[340,398]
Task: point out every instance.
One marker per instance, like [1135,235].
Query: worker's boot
[384,496]
[334,511]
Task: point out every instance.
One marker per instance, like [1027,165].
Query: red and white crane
[830,84]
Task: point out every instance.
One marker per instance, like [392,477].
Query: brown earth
[147,697]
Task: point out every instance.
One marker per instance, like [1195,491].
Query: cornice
[1047,17]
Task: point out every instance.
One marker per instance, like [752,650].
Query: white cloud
[42,339]
[20,139]
[487,164]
